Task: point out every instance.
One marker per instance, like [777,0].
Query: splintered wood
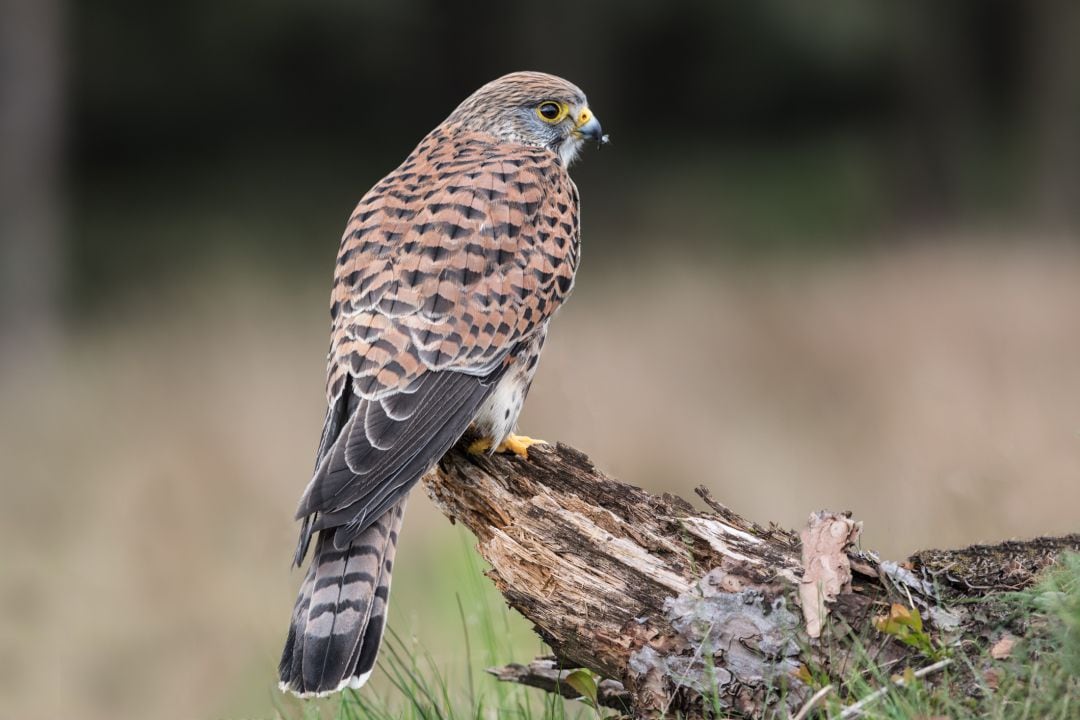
[671,605]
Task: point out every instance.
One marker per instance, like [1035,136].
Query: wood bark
[680,609]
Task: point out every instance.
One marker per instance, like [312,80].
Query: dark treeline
[935,83]
[274,116]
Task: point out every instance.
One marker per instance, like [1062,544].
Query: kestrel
[449,272]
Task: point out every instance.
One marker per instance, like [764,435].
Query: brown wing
[462,251]
[445,267]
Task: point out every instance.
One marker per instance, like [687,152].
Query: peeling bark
[682,609]
[826,568]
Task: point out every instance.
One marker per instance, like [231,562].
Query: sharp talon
[519,445]
[479,447]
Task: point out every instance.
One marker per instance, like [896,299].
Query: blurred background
[858,222]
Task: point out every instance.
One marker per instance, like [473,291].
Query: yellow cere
[584,116]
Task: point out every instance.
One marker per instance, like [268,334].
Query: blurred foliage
[250,129]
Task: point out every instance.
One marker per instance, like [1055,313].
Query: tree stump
[683,610]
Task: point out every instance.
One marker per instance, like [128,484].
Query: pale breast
[498,415]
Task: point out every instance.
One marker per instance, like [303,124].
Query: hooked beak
[588,127]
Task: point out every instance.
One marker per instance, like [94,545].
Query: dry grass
[150,472]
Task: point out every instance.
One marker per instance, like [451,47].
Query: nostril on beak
[591,129]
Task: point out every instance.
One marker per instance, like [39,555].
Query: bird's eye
[551,111]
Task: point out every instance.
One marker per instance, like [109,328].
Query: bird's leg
[517,444]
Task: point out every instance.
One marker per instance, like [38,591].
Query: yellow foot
[517,444]
[479,447]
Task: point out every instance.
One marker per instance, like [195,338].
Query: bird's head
[532,108]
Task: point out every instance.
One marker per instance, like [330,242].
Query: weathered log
[692,610]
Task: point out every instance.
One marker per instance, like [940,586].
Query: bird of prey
[448,274]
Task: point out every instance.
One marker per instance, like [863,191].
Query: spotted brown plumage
[449,271]
[451,259]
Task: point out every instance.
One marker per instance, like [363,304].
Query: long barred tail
[340,613]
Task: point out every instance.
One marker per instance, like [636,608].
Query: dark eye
[550,111]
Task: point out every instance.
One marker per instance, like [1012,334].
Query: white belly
[498,416]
